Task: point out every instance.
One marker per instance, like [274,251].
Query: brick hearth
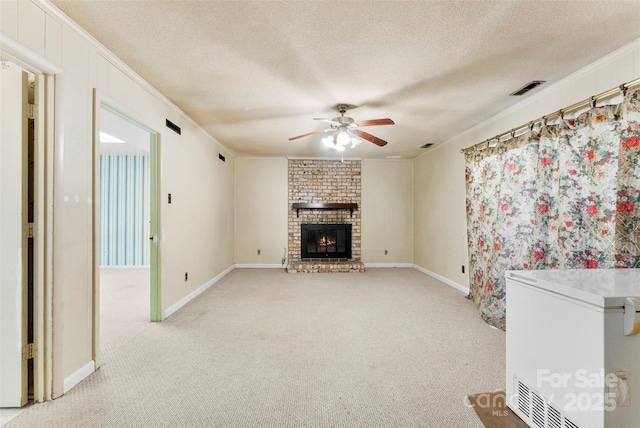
[310,266]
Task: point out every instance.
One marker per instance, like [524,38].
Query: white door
[13,329]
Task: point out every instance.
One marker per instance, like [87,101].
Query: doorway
[126,222]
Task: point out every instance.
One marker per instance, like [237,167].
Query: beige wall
[440,232]
[197,229]
[440,241]
[262,207]
[387,211]
[261,210]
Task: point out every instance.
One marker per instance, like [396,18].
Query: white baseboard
[79,375]
[447,281]
[388,265]
[195,293]
[259,266]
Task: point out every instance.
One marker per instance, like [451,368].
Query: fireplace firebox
[325,241]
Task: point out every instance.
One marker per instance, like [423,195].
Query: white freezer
[569,362]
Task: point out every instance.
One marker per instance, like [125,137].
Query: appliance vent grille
[554,418]
[524,401]
[569,424]
[538,410]
[534,409]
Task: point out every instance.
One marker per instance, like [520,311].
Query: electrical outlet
[186,276]
[258,252]
[462,268]
[169,198]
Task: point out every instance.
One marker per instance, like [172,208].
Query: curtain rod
[586,102]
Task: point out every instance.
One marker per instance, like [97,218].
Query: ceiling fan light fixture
[328,140]
[343,138]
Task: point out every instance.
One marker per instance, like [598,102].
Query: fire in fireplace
[325,241]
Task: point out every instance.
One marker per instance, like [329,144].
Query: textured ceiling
[254,73]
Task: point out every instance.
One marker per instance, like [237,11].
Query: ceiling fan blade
[369,137]
[306,135]
[374,122]
[312,133]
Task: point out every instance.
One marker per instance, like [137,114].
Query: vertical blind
[124,210]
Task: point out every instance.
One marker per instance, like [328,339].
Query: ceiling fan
[344,129]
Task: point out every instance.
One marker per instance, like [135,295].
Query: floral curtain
[566,196]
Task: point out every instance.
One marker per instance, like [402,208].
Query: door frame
[48,376]
[100,100]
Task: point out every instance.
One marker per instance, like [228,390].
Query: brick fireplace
[324,192]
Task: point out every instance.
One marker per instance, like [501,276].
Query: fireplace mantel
[324,206]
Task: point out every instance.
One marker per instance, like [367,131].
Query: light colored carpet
[124,304]
[263,348]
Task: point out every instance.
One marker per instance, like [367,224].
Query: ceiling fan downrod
[342,108]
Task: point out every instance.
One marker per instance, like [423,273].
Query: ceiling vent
[529,86]
[426,146]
